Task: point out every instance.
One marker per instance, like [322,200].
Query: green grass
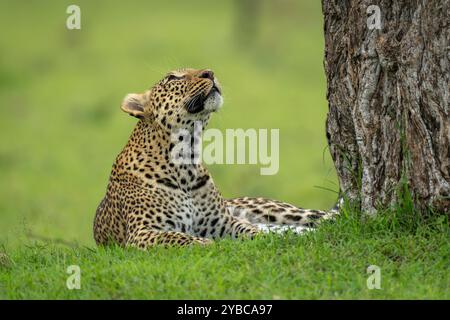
[330,263]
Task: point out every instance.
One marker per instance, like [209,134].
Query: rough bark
[388,95]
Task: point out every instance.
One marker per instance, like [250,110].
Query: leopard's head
[180,99]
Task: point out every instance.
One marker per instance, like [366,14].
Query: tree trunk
[388,96]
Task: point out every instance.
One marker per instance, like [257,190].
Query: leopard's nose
[207,74]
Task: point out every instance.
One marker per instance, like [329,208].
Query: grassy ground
[330,263]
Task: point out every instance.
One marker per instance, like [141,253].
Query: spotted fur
[152,200]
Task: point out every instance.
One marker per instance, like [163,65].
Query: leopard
[151,199]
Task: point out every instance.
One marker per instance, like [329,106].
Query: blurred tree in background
[247,13]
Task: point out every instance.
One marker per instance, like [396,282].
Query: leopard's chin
[213,101]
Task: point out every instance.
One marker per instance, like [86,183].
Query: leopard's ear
[133,104]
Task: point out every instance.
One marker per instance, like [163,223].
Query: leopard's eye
[172,77]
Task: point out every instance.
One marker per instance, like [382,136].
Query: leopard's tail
[276,214]
[337,207]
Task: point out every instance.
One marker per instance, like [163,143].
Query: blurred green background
[60,90]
